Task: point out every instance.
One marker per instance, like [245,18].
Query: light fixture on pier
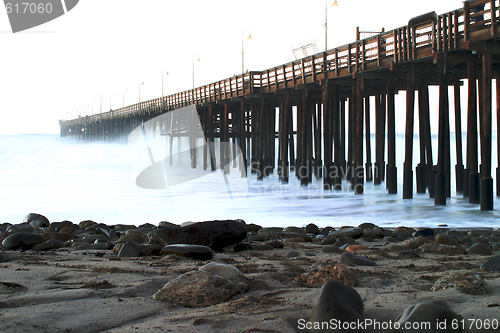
[335,4]
[242,48]
[198,56]
[162,76]
[139,85]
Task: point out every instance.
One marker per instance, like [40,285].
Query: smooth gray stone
[2,258]
[330,249]
[129,250]
[37,220]
[435,312]
[311,228]
[21,239]
[352,259]
[296,230]
[336,302]
[200,252]
[260,247]
[492,264]
[43,246]
[481,249]
[292,254]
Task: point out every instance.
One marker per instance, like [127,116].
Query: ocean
[64,179]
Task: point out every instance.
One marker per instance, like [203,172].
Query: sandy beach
[83,289]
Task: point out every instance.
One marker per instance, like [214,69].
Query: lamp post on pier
[139,85]
[193,64]
[243,49]
[162,76]
[335,4]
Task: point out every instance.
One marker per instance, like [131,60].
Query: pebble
[43,246]
[311,228]
[270,230]
[294,240]
[426,232]
[129,250]
[199,252]
[197,288]
[131,237]
[446,239]
[432,311]
[276,244]
[241,247]
[481,249]
[441,249]
[36,220]
[336,302]
[21,239]
[352,259]
[260,247]
[292,254]
[330,249]
[62,236]
[395,248]
[57,243]
[492,264]
[467,283]
[229,272]
[354,248]
[296,230]
[316,278]
[56,226]
[367,225]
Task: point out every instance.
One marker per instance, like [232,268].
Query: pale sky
[107,47]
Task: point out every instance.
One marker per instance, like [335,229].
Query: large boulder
[215,234]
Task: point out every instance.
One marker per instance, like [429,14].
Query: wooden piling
[338,128]
[459,167]
[410,106]
[368,164]
[421,169]
[327,137]
[359,171]
[392,181]
[472,144]
[486,181]
[440,178]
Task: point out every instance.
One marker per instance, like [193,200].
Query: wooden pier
[326,97]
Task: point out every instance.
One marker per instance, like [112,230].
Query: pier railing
[443,33]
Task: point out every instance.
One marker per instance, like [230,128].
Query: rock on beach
[215,234]
[338,302]
[198,288]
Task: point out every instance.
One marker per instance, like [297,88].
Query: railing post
[493,17]
[395,44]
[336,62]
[466,21]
